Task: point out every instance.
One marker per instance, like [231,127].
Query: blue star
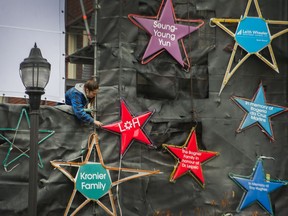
[257,188]
[258,112]
[12,144]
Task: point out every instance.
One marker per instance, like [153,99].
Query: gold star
[91,171]
[254,36]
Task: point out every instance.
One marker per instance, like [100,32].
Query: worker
[79,97]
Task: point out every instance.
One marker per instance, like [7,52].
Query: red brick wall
[13,100]
[17,100]
[74,11]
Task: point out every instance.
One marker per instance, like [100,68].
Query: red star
[130,128]
[189,158]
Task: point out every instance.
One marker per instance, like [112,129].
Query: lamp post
[34,73]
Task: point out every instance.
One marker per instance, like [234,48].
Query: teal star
[12,140]
[258,112]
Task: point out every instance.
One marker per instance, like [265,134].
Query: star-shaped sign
[18,144]
[93,179]
[130,127]
[257,188]
[165,33]
[189,159]
[253,36]
[258,112]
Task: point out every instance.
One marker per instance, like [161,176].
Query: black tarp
[181,99]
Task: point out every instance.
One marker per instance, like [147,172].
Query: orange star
[252,35]
[93,179]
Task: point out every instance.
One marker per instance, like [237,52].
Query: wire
[117,187]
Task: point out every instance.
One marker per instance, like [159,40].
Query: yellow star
[251,40]
[93,179]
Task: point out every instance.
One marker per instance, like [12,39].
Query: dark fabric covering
[181,99]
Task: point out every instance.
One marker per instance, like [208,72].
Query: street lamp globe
[35,70]
[35,73]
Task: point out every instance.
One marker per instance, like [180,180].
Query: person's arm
[98,123]
[78,103]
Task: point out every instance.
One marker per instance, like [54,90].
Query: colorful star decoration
[18,144]
[258,112]
[257,188]
[189,159]
[130,128]
[165,33]
[252,35]
[93,179]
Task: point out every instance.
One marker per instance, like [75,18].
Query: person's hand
[98,123]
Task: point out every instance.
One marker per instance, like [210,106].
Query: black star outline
[12,145]
[229,73]
[93,141]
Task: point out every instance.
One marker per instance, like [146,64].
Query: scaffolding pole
[94,42]
[84,16]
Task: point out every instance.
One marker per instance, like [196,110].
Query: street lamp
[34,73]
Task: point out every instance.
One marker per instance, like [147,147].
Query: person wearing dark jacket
[79,97]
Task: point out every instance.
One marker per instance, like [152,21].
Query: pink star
[189,158]
[165,33]
[130,128]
